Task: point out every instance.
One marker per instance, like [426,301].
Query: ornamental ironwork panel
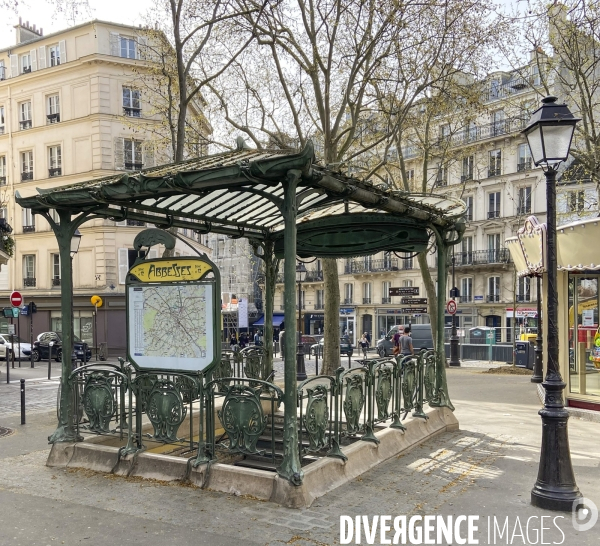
[383,392]
[353,403]
[317,417]
[98,401]
[165,410]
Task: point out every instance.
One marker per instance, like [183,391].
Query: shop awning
[277,321]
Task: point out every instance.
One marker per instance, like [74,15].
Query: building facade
[71,111]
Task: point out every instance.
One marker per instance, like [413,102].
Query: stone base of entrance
[319,477]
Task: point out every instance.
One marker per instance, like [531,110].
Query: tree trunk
[430,291]
[331,349]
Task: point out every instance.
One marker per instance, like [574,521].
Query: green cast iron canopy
[237,193]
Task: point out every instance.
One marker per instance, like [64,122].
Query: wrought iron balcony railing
[524,166]
[29,282]
[372,266]
[466,299]
[52,118]
[491,298]
[133,166]
[319,306]
[366,301]
[56,282]
[482,257]
[57,171]
[25,124]
[314,275]
[386,300]
[523,298]
[29,229]
[27,176]
[466,177]
[493,214]
[494,172]
[348,301]
[137,223]
[2,180]
[132,112]
[524,210]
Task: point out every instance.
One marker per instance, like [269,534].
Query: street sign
[16,300]
[414,301]
[25,310]
[451,307]
[11,329]
[404,291]
[412,310]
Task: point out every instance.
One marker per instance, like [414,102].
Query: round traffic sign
[16,300]
[451,307]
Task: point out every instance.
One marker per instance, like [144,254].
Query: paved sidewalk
[487,469]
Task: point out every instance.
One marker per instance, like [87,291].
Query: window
[493,289]
[444,132]
[442,176]
[28,270]
[55,262]
[466,256]
[494,250]
[466,290]
[54,161]
[3,213]
[495,88]
[27,165]
[26,63]
[1,120]
[54,215]
[52,109]
[469,212]
[25,115]
[494,204]
[348,292]
[495,163]
[385,292]
[2,71]
[535,75]
[127,47]
[131,102]
[28,221]
[524,158]
[387,260]
[320,303]
[576,201]
[410,176]
[133,154]
[366,292]
[498,123]
[2,170]
[524,200]
[407,283]
[467,168]
[368,263]
[54,55]
[407,261]
[524,289]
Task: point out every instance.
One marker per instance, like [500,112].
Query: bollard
[317,359]
[22,401]
[7,370]
[349,361]
[50,358]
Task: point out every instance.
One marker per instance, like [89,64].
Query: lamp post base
[300,369]
[555,487]
[454,358]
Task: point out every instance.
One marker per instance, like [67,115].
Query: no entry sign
[16,300]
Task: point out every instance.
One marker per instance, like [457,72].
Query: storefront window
[83,325]
[584,363]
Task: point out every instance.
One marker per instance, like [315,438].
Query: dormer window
[25,63]
[54,55]
[128,49]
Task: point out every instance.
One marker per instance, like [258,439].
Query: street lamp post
[549,134]
[538,365]
[454,357]
[300,369]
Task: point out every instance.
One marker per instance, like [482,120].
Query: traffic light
[32,308]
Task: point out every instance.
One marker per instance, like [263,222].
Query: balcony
[347,301]
[483,132]
[29,282]
[407,264]
[492,298]
[29,229]
[319,306]
[386,300]
[441,182]
[2,180]
[523,298]
[466,299]
[523,210]
[52,118]
[25,124]
[482,257]
[494,172]
[133,166]
[524,166]
[466,177]
[371,266]
[132,112]
[26,176]
[315,275]
[57,171]
[55,282]
[493,214]
[366,301]
[136,223]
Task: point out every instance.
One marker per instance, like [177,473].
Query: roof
[237,193]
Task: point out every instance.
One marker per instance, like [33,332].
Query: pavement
[486,469]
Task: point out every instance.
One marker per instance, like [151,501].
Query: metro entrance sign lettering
[404,291]
[16,299]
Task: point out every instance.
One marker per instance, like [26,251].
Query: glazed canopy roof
[237,193]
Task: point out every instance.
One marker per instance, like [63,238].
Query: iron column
[454,357]
[538,365]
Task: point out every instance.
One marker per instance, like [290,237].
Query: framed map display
[172,314]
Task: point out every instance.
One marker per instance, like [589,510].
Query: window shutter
[33,57]
[123,265]
[62,51]
[119,156]
[114,44]
[14,66]
[142,50]
[42,57]
[148,155]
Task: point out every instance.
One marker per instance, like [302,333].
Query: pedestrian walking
[396,342]
[364,344]
[405,343]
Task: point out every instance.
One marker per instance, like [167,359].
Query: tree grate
[5,431]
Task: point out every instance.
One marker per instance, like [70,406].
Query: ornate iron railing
[232,414]
[371,266]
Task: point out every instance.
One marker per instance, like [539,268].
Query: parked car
[41,347]
[421,338]
[346,348]
[10,343]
